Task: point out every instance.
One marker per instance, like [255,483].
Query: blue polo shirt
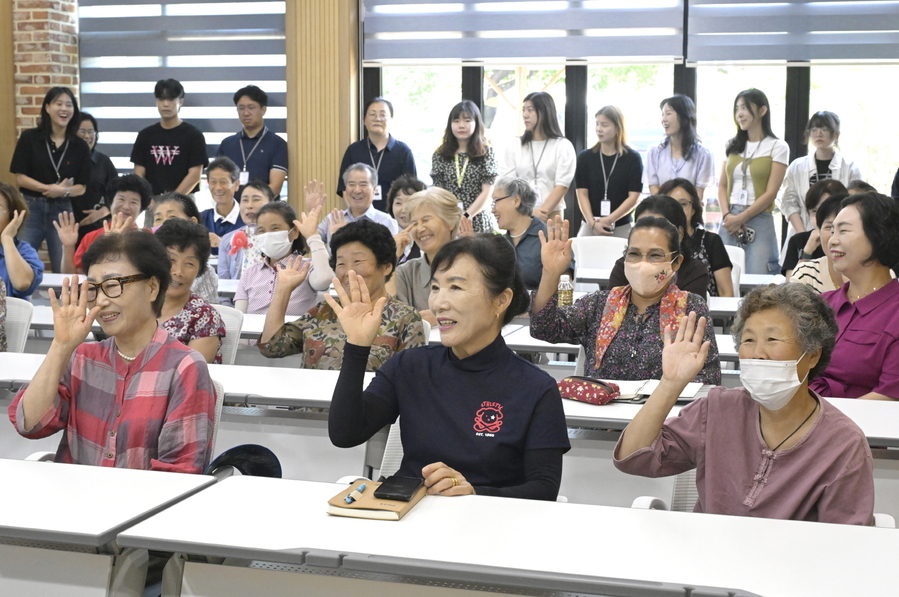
[270,154]
[213,222]
[391,163]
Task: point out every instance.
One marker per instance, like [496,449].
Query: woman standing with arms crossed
[52,165]
[753,172]
[465,165]
[680,155]
[609,179]
[544,157]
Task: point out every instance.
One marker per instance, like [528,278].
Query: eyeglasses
[87,132]
[112,287]
[654,256]
[498,199]
[819,130]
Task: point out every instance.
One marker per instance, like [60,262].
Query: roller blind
[445,30]
[213,48]
[801,30]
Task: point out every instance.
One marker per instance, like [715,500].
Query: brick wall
[45,54]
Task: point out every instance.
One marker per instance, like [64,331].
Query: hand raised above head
[118,224]
[555,247]
[307,223]
[314,193]
[67,228]
[293,273]
[336,221]
[358,316]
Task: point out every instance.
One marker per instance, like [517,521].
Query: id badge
[744,196]
[378,193]
[244,177]
[605,208]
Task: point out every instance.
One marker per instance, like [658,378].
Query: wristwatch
[804,255]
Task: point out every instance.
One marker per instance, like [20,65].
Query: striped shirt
[257,287]
[154,413]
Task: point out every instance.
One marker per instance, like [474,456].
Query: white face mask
[648,279]
[771,383]
[275,245]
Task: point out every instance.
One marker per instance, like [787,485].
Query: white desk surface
[84,505]
[51,280]
[277,386]
[724,306]
[515,539]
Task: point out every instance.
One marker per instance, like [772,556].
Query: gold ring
[455,481]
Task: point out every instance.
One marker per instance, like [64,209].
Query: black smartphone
[398,488]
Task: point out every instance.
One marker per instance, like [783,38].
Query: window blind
[801,30]
[446,30]
[213,48]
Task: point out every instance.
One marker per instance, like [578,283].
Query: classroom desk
[480,542]
[724,306]
[59,523]
[225,287]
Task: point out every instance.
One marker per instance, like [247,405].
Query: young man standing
[170,154]
[259,153]
[222,178]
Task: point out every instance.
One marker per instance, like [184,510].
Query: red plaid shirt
[154,413]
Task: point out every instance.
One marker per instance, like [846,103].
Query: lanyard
[537,163]
[602,162]
[258,141]
[372,156]
[57,165]
[747,161]
[460,173]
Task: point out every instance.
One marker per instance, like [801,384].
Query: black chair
[249,459]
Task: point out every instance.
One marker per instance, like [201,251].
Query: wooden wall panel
[7,91]
[322,91]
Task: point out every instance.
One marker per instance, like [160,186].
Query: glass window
[868,127]
[636,90]
[716,88]
[422,97]
[505,88]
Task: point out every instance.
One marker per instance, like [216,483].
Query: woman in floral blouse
[368,249]
[621,329]
[186,316]
[465,165]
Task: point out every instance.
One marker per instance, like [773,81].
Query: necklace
[129,359]
[794,431]
[861,296]
[518,235]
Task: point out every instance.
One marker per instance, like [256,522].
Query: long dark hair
[670,209]
[283,209]
[547,118]
[46,126]
[477,145]
[682,183]
[685,109]
[755,100]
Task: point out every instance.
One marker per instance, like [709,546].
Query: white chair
[737,256]
[579,363]
[736,273]
[426,326]
[597,252]
[18,322]
[684,498]
[233,324]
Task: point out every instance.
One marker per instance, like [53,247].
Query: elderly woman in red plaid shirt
[139,399]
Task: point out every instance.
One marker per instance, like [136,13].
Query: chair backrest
[426,326]
[18,322]
[599,252]
[685,495]
[219,400]
[579,364]
[233,324]
[393,451]
[735,273]
[737,257]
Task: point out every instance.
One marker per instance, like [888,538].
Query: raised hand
[15,222]
[314,195]
[94,215]
[684,356]
[308,222]
[466,227]
[71,319]
[118,224]
[293,273]
[336,221]
[359,318]
[403,239]
[555,247]
[67,228]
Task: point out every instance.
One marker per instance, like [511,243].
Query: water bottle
[566,292]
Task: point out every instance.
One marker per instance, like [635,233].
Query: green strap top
[759,172]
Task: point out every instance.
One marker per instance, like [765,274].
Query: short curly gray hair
[813,321]
[518,187]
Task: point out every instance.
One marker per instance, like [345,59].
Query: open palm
[71,319]
[359,318]
[555,247]
[685,355]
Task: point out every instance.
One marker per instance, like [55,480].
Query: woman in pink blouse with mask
[772,448]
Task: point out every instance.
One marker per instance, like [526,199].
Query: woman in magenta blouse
[772,448]
[864,248]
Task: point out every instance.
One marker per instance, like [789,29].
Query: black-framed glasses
[112,287]
[498,199]
[654,256]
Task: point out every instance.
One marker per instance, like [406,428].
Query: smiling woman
[487,422]
[164,420]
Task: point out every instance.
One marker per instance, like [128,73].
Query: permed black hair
[184,234]
[133,183]
[376,237]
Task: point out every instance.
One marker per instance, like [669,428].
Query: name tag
[605,208]
[378,193]
[244,177]
[744,196]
